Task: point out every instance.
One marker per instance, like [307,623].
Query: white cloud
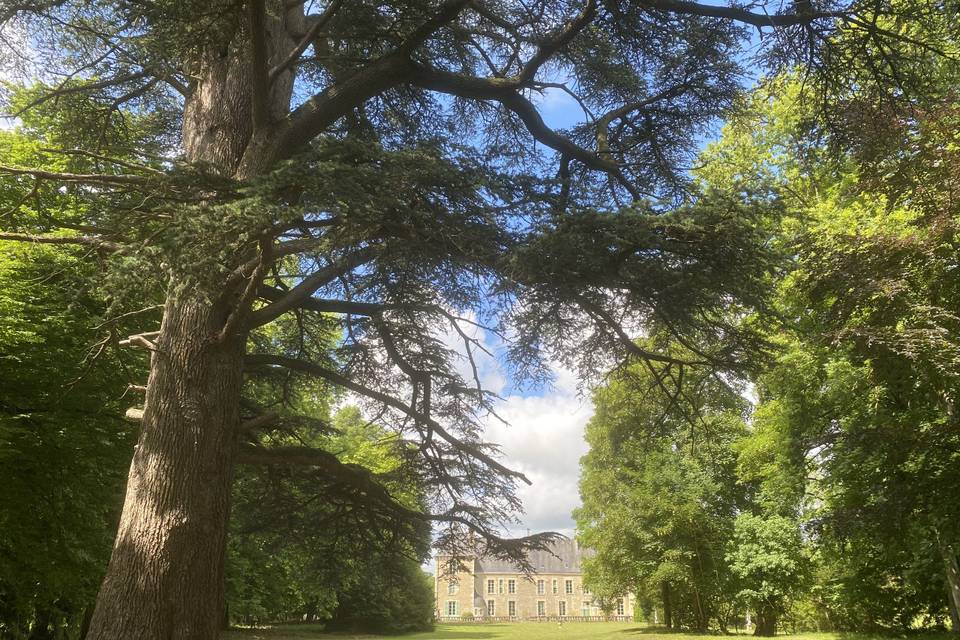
[543,437]
[544,440]
[544,432]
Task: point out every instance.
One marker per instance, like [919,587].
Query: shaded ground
[529,631]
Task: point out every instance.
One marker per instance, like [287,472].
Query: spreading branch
[370,490]
[268,360]
[557,41]
[759,20]
[294,55]
[87,178]
[299,294]
[610,323]
[242,305]
[506,92]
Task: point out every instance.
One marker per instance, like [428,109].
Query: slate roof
[564,556]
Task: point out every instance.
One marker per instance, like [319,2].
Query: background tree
[304,545]
[767,557]
[64,446]
[857,418]
[309,163]
[660,492]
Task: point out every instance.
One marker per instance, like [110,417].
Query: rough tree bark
[166,572]
[165,579]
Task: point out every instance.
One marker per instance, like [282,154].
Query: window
[585,609]
[568,587]
[491,608]
[540,588]
[451,607]
[586,590]
[512,608]
[541,608]
[620,606]
[451,588]
[511,586]
[562,607]
[554,586]
[500,591]
[490,586]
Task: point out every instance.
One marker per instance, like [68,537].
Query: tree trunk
[766,622]
[952,574]
[41,626]
[667,608]
[165,578]
[701,615]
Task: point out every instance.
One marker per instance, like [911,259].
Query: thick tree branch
[393,352]
[242,306]
[88,178]
[64,90]
[602,123]
[601,314]
[96,156]
[323,109]
[298,295]
[259,422]
[268,360]
[737,14]
[556,42]
[328,305]
[279,250]
[144,340]
[506,92]
[297,51]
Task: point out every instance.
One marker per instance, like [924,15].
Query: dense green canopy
[843,482]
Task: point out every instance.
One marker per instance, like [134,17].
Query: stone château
[493,589]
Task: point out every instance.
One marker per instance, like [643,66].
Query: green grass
[528,631]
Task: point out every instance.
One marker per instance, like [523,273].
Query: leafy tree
[309,159]
[856,422]
[301,546]
[64,448]
[767,556]
[660,492]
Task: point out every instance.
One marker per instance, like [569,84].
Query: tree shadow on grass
[656,630]
[930,634]
[650,630]
[316,632]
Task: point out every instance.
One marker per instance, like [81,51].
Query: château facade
[492,589]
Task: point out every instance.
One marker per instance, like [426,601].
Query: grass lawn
[527,631]
[504,631]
